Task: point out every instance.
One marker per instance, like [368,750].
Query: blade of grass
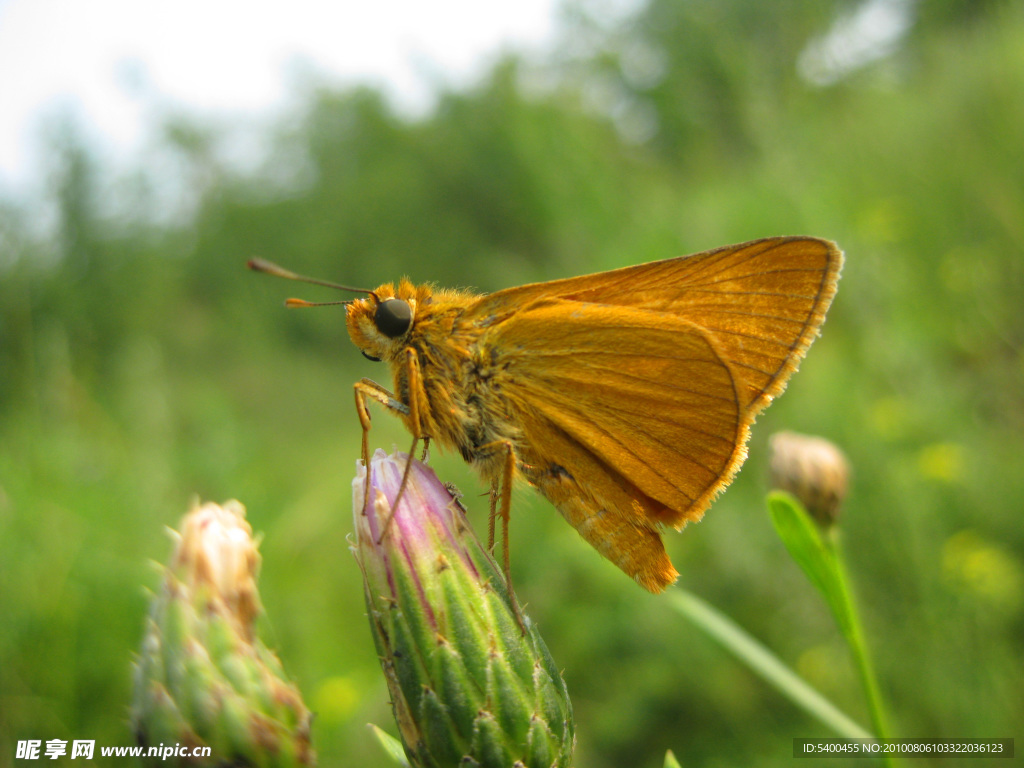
[820,558]
[763,662]
[858,646]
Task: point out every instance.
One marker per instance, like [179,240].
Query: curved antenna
[262,265]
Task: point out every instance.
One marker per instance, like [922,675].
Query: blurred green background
[141,365]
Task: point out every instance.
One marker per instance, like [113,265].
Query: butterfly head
[380,324]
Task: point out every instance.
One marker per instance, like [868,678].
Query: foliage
[140,364]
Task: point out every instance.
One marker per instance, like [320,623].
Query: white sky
[115,65]
[110,61]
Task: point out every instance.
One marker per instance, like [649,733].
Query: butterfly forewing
[635,389]
[628,421]
[646,398]
[763,301]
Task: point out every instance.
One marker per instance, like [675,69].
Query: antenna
[301,303]
[262,265]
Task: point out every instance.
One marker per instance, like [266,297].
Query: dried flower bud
[814,470]
[203,678]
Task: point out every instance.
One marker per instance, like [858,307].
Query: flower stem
[763,662]
[850,621]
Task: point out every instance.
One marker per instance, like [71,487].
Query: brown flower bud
[812,469]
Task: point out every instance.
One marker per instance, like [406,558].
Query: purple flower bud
[471,681]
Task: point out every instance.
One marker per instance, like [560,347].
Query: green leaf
[821,560]
[391,745]
[802,538]
[670,760]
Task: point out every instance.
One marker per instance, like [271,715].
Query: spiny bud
[203,678]
[471,681]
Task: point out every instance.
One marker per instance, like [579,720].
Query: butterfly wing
[635,388]
[762,301]
[629,419]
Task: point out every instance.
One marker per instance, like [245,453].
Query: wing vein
[671,385]
[715,473]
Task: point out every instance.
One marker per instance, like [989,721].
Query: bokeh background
[141,365]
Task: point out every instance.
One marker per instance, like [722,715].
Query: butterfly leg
[501,489]
[506,513]
[506,509]
[366,389]
[501,506]
[412,411]
[415,387]
[494,494]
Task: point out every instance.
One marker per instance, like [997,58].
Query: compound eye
[393,317]
[370,357]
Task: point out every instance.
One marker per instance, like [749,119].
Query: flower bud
[470,678]
[814,470]
[203,678]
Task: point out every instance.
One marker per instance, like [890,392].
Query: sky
[117,67]
[108,63]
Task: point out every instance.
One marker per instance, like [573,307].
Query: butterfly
[625,397]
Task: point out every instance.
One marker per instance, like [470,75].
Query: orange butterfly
[625,397]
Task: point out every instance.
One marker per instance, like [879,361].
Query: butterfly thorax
[458,376]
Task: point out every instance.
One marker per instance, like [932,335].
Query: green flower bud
[203,679]
[471,681]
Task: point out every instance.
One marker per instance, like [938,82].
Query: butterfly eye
[393,317]
[370,357]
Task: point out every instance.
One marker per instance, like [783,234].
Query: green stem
[849,621]
[762,661]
